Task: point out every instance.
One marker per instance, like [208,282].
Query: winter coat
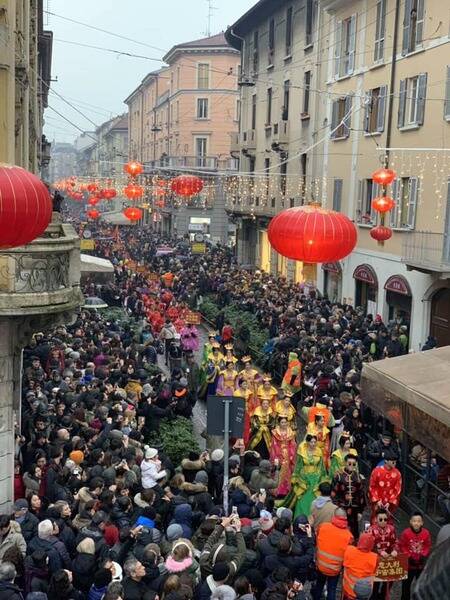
[183,516]
[191,467]
[36,579]
[322,511]
[259,480]
[151,473]
[136,590]
[245,506]
[269,545]
[28,526]
[298,565]
[32,484]
[92,531]
[198,496]
[58,557]
[84,566]
[14,537]
[96,593]
[215,550]
[10,591]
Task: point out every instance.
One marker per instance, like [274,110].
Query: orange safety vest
[319,409]
[289,373]
[357,565]
[332,542]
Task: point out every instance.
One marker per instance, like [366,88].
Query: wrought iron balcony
[42,277]
[209,163]
[427,251]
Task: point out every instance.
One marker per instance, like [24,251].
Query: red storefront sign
[332,268]
[365,273]
[398,284]
[392,568]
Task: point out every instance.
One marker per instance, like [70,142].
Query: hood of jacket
[183,514]
[321,501]
[193,488]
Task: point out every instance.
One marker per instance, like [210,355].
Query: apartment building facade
[383,87]
[181,118]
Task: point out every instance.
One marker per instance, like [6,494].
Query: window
[254,111]
[447,96]
[202,108]
[178,77]
[237,110]
[411,102]
[341,118]
[380,28]
[405,192]
[309,22]
[201,144]
[271,56]
[368,190]
[412,25]
[269,106]
[289,14]
[267,178]
[283,174]
[306,90]
[203,76]
[375,109]
[255,52]
[344,50]
[337,194]
[177,110]
[285,107]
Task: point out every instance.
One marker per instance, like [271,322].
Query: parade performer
[319,408]
[283,448]
[293,375]
[260,425]
[216,356]
[189,338]
[266,391]
[208,347]
[322,433]
[385,485]
[308,474]
[252,377]
[338,456]
[243,391]
[284,408]
[347,492]
[226,384]
[229,356]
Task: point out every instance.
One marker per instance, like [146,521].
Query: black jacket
[298,565]
[29,526]
[84,567]
[58,557]
[136,590]
[92,531]
[9,591]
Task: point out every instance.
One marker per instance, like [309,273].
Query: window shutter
[359,201]
[381,108]
[406,27]
[380,30]
[352,45]
[334,116]
[412,205]
[348,117]
[402,103]
[337,195]
[396,187]
[421,96]
[375,192]
[447,96]
[337,49]
[419,22]
[367,110]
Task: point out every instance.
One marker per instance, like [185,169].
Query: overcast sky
[96,82]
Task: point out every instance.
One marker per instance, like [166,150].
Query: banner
[87,245]
[193,318]
[198,248]
[392,568]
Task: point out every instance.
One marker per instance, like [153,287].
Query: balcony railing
[427,251]
[211,163]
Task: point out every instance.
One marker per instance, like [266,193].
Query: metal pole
[226,451]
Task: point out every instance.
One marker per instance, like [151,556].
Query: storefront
[440,317]
[366,288]
[332,281]
[398,299]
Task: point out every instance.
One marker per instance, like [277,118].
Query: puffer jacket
[13,538]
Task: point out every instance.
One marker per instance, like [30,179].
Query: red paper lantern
[132,213]
[109,193]
[92,187]
[133,168]
[159,203]
[133,191]
[383,204]
[93,213]
[381,233]
[312,234]
[186,185]
[384,176]
[93,200]
[25,207]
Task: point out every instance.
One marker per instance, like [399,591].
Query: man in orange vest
[360,566]
[332,541]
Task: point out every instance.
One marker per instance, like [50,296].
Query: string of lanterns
[382,204]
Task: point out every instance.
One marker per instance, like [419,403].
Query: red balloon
[133,168]
[93,213]
[109,193]
[383,204]
[133,191]
[186,185]
[312,234]
[384,176]
[93,200]
[381,233]
[25,207]
[132,213]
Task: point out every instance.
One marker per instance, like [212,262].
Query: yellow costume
[261,421]
[267,394]
[323,440]
[288,412]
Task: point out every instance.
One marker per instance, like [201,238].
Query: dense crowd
[101,514]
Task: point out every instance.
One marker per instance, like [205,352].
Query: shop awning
[332,267]
[413,392]
[398,284]
[93,264]
[366,274]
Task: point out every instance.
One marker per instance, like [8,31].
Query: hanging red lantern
[93,213]
[186,185]
[92,187]
[78,196]
[25,207]
[159,203]
[159,191]
[383,204]
[312,234]
[133,168]
[384,176]
[381,233]
[109,193]
[132,213]
[93,200]
[133,190]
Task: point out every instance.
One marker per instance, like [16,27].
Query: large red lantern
[186,185]
[383,204]
[109,193]
[384,176]
[381,233]
[132,213]
[25,207]
[92,187]
[133,168]
[93,200]
[93,213]
[312,234]
[132,190]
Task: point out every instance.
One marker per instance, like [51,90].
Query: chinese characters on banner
[392,568]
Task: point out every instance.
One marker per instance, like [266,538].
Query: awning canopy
[366,274]
[413,392]
[93,264]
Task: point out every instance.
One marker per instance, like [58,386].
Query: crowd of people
[99,514]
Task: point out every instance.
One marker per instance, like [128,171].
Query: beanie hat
[265,520]
[220,571]
[217,455]
[77,456]
[201,477]
[174,532]
[265,466]
[150,452]
[366,542]
[285,513]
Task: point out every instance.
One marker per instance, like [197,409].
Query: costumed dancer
[322,433]
[283,448]
[338,456]
[208,347]
[385,485]
[292,379]
[347,492]
[226,384]
[260,425]
[189,338]
[284,408]
[253,378]
[266,391]
[229,356]
[243,391]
